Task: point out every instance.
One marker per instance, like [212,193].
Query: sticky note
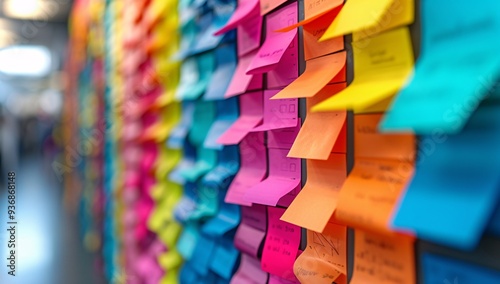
[324,261]
[282,113]
[281,245]
[202,254]
[227,114]
[278,55]
[180,131]
[187,241]
[273,279]
[251,115]
[243,11]
[207,38]
[319,72]
[366,18]
[321,133]
[267,6]
[382,168]
[251,231]
[284,177]
[249,33]
[381,68]
[225,58]
[282,138]
[439,269]
[467,167]
[253,168]
[317,17]
[249,272]
[448,57]
[192,85]
[316,202]
[241,82]
[225,258]
[227,218]
[383,259]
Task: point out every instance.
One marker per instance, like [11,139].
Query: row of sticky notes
[212,176]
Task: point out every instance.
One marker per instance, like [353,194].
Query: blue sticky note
[188,275]
[188,161]
[494,225]
[203,254]
[226,220]
[458,64]
[180,131]
[226,258]
[456,184]
[442,270]
[227,114]
[225,59]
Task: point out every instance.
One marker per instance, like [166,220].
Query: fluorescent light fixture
[26,9]
[29,60]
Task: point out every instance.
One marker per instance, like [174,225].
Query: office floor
[49,247]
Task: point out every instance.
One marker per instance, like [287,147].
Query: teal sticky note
[226,220]
[196,74]
[443,270]
[456,185]
[187,240]
[458,65]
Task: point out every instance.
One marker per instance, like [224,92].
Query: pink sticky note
[281,113]
[276,43]
[284,178]
[245,9]
[241,82]
[249,272]
[248,34]
[150,154]
[281,245]
[283,138]
[251,115]
[252,229]
[253,168]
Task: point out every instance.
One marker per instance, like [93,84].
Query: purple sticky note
[249,33]
[284,178]
[252,229]
[281,113]
[251,115]
[282,138]
[249,272]
[252,171]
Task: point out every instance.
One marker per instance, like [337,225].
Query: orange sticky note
[267,6]
[314,9]
[319,72]
[313,31]
[324,261]
[381,171]
[313,207]
[322,132]
[383,259]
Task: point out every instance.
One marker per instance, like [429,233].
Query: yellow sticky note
[382,66]
[367,17]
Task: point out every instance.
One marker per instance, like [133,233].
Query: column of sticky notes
[237,170]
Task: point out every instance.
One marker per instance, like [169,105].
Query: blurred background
[33,46]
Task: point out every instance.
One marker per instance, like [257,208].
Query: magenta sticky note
[283,138]
[241,82]
[249,272]
[284,178]
[281,246]
[245,10]
[253,168]
[277,43]
[251,115]
[252,229]
[282,113]
[248,34]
